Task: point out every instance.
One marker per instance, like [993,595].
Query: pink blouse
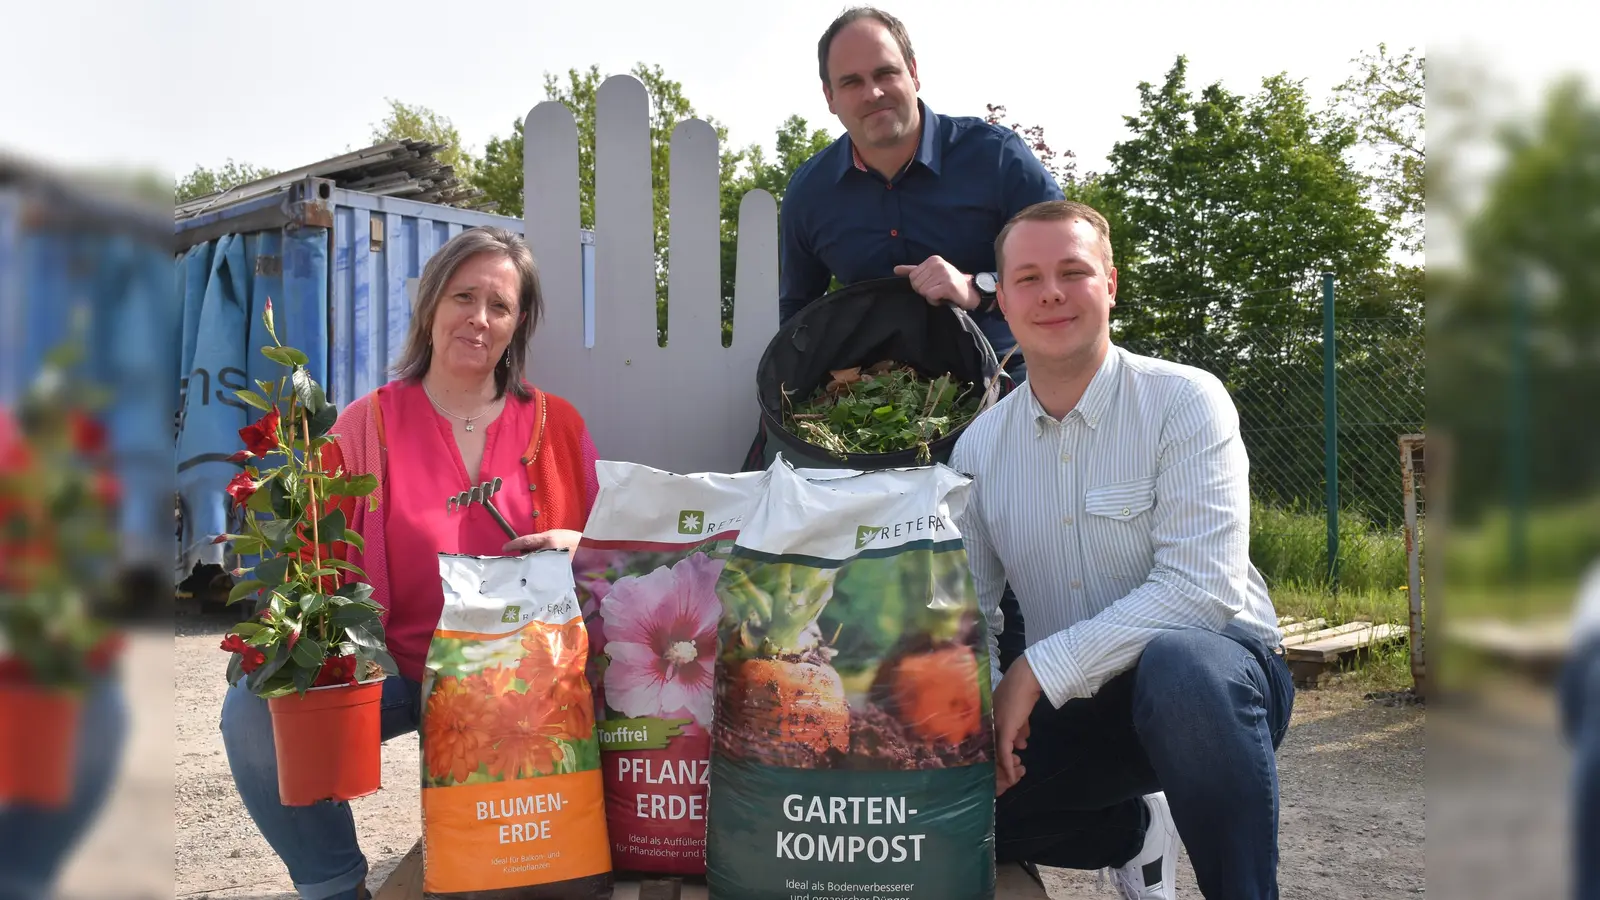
[424,470]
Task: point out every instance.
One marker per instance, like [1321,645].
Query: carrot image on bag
[853,745]
[511,785]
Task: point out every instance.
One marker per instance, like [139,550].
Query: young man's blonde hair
[1055,211]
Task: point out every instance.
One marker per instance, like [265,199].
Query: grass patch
[1386,668]
[1290,547]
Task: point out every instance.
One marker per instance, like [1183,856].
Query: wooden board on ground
[1322,634]
[405,883]
[1292,628]
[1314,660]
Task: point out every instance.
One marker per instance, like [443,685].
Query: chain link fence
[1267,347]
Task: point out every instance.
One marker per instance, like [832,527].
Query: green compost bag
[853,745]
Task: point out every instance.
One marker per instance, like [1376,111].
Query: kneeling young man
[1112,493]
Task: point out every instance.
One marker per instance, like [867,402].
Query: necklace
[467,419]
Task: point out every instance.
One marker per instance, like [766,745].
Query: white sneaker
[1150,874]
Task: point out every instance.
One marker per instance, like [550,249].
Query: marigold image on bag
[853,746]
[646,573]
[512,805]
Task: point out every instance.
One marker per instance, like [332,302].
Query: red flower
[241,487]
[252,659]
[241,457]
[262,437]
[337,670]
[88,435]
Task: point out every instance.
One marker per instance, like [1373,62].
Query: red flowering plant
[318,624]
[57,500]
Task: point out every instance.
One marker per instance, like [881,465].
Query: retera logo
[691,521]
[865,534]
[512,615]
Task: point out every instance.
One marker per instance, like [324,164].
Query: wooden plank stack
[1315,652]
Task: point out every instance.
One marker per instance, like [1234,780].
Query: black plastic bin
[860,325]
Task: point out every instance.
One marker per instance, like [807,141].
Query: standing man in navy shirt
[905,191]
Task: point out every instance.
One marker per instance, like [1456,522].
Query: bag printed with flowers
[646,573]
[511,787]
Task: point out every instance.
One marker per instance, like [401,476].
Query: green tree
[795,143]
[1228,208]
[203,181]
[1513,333]
[423,124]
[1386,100]
[499,173]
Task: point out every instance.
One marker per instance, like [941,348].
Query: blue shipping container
[340,267]
[69,254]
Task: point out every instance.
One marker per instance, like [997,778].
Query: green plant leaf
[247,545]
[254,399]
[353,486]
[275,661]
[355,591]
[355,540]
[244,589]
[331,528]
[247,629]
[285,356]
[385,660]
[307,389]
[268,389]
[311,604]
[308,653]
[274,570]
[260,501]
[350,567]
[267,635]
[303,676]
[278,532]
[323,419]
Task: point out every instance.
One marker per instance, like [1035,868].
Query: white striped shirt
[1586,611]
[1127,518]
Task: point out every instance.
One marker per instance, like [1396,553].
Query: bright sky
[171,83]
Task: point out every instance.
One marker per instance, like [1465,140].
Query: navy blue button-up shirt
[966,181]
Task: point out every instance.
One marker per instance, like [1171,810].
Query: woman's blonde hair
[418,355]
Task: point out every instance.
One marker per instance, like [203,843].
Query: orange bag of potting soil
[511,786]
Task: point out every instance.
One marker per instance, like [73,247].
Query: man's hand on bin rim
[940,282]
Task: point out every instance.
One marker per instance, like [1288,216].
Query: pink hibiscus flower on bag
[661,635]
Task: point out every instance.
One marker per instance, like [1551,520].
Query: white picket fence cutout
[689,406]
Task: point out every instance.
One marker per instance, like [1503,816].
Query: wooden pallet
[1316,655]
[405,883]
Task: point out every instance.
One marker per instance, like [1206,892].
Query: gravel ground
[1352,823]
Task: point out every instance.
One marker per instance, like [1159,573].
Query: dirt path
[1351,772]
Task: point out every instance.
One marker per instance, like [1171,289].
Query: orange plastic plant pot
[38,745]
[328,743]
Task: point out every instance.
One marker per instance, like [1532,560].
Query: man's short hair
[897,30]
[1056,211]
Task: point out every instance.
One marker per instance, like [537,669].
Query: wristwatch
[986,283]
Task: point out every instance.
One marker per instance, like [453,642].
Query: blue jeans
[1580,714]
[317,843]
[35,843]
[1199,717]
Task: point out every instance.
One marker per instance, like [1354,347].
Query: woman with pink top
[457,414]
